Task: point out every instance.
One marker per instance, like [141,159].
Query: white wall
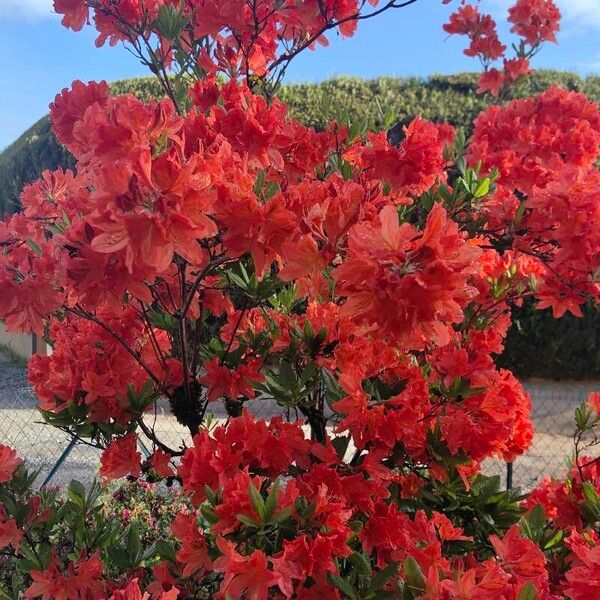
[22,345]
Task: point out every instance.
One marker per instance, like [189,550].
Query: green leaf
[30,555]
[341,584]
[36,249]
[161,320]
[308,373]
[486,486]
[361,564]
[590,493]
[260,181]
[346,171]
[244,272]
[382,577]
[520,212]
[333,391]
[210,494]
[554,540]
[165,550]
[340,444]
[170,22]
[287,377]
[209,514]
[528,592]
[237,280]
[413,578]
[76,493]
[537,517]
[271,503]
[246,520]
[282,516]
[271,189]
[427,201]
[119,556]
[257,501]
[134,543]
[483,188]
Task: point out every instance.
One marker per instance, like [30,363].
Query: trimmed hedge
[24,161]
[540,346]
[448,98]
[537,344]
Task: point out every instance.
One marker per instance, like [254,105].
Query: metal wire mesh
[42,446]
[553,414]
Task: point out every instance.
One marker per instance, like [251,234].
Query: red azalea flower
[121,458]
[9,461]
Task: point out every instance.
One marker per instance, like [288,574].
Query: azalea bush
[210,251]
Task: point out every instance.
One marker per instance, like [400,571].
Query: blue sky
[38,57]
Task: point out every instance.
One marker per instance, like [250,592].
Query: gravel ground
[41,445]
[13,379]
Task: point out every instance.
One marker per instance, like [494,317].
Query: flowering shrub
[149,507]
[534,21]
[210,249]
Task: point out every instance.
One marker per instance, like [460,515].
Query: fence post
[509,476]
[144,449]
[59,462]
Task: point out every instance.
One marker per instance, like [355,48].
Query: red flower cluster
[414,166]
[211,249]
[583,578]
[133,592]
[411,284]
[80,579]
[535,21]
[480,29]
[8,463]
[121,458]
[530,139]
[244,36]
[337,499]
[563,500]
[544,149]
[91,369]
[26,273]
[271,448]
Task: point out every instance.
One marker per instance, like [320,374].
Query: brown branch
[183,338]
[150,434]
[204,273]
[288,56]
[235,330]
[82,313]
[155,345]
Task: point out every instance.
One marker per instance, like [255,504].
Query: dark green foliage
[541,346]
[537,345]
[438,98]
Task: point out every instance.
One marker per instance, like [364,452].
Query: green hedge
[540,346]
[537,344]
[24,161]
[448,98]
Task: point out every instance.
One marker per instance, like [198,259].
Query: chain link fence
[44,448]
[553,416]
[53,453]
